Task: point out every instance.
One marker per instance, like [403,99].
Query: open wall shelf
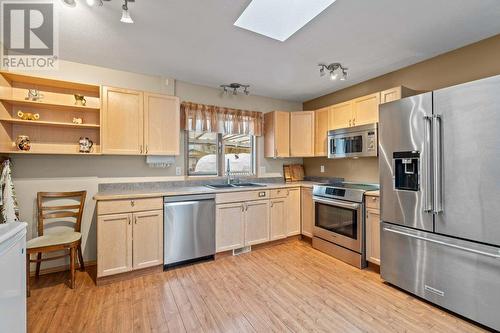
[54,132]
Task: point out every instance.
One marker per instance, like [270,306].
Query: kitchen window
[209,152]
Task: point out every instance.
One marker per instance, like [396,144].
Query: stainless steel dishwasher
[189,229]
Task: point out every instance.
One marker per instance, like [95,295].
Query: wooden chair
[57,241]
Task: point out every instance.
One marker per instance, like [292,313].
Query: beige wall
[36,173]
[472,62]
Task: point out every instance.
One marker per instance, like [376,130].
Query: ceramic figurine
[23,142]
[77,121]
[34,95]
[85,145]
[28,115]
[80,100]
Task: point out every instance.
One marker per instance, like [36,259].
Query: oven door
[339,222]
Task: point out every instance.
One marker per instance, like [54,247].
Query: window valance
[211,118]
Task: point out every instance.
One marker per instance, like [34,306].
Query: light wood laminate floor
[284,288]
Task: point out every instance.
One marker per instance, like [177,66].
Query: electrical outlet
[178,171]
[322,168]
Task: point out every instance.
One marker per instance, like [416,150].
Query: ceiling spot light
[69,3]
[235,87]
[125,14]
[335,69]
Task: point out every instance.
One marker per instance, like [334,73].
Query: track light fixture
[125,13]
[335,69]
[235,87]
[126,18]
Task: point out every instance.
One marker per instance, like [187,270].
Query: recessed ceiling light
[279,19]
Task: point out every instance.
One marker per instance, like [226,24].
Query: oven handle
[337,203]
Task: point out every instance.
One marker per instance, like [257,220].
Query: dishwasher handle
[181,198]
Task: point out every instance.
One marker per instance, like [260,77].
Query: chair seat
[58,238]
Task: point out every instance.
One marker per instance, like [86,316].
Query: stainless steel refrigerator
[440,197]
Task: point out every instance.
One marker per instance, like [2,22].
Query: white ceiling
[196,41]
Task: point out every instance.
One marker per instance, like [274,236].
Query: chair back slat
[46,212]
[61,207]
[57,215]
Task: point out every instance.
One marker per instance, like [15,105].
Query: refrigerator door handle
[428,208]
[430,240]
[438,167]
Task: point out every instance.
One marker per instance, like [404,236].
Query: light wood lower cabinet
[307,212]
[114,244]
[256,222]
[241,224]
[373,234]
[147,243]
[230,226]
[293,212]
[129,241]
[278,218]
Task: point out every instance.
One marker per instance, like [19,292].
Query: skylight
[279,19]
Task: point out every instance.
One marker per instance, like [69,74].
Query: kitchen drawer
[241,196]
[278,193]
[372,202]
[129,205]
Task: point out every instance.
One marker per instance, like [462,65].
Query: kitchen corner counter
[188,190]
[373,193]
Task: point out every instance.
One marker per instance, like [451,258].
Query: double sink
[236,185]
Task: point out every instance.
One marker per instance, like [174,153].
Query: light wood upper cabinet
[340,115]
[302,133]
[365,109]
[390,95]
[307,211]
[277,134]
[321,120]
[373,235]
[278,218]
[293,212]
[230,226]
[114,244]
[256,222]
[122,121]
[161,124]
[148,239]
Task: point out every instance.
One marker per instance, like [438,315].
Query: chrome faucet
[228,172]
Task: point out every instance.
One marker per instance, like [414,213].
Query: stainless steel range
[339,224]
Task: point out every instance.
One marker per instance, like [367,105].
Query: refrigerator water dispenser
[406,170]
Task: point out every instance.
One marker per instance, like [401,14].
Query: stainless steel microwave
[357,141]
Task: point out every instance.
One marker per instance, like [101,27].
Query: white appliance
[13,277]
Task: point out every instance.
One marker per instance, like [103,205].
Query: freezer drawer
[458,275]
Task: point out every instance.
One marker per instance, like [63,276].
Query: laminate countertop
[373,193]
[190,190]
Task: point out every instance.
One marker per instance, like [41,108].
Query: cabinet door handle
[135,219]
[128,219]
[141,149]
[242,208]
[132,203]
[350,120]
[146,149]
[276,152]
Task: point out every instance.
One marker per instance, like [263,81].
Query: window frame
[220,160]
